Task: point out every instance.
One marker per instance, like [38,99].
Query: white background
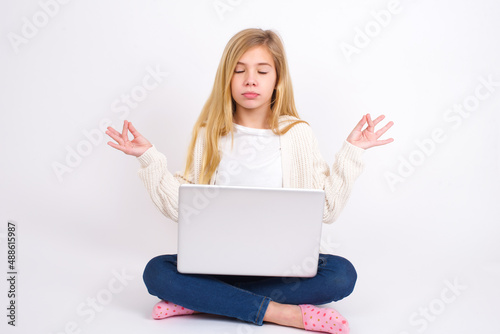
[438,225]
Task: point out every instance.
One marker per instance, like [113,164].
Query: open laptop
[251,231]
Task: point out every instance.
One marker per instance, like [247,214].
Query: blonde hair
[217,113]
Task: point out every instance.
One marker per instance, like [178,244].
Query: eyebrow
[241,63]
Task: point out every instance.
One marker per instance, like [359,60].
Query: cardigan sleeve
[162,186]
[338,181]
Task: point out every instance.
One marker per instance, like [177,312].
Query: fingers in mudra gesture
[135,147]
[369,137]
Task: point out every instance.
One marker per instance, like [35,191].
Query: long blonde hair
[217,113]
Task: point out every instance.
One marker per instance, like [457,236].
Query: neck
[252,118]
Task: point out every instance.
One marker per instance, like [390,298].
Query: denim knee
[156,271]
[342,276]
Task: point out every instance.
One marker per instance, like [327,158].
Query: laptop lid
[255,231]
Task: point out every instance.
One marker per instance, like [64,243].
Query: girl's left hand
[368,138]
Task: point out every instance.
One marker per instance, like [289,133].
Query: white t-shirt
[255,159]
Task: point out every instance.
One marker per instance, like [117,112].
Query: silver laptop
[251,231]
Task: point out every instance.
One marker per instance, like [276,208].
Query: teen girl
[252,98]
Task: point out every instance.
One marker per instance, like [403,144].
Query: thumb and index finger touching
[128,126]
[371,123]
[133,130]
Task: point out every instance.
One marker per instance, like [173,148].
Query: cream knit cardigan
[302,163]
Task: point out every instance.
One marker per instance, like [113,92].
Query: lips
[250,95]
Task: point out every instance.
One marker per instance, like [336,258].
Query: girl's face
[254,80]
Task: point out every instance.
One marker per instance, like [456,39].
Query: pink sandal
[164,309]
[323,320]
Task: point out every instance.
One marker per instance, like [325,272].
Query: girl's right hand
[136,147]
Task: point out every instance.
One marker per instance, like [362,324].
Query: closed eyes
[244,71]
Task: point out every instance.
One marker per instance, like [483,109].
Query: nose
[250,81]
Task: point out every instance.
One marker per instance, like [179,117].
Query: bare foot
[284,314]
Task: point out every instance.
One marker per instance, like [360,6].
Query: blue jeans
[247,297]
